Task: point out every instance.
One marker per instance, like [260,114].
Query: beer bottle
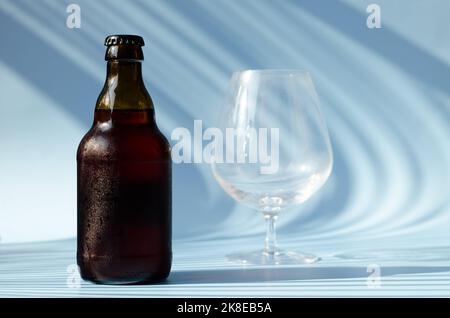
[124,178]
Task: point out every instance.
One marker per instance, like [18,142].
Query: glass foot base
[280,257]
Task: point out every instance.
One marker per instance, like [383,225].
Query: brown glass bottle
[124,179]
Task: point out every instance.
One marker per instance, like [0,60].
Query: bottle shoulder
[111,142]
[127,96]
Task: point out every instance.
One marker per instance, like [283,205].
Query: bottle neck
[120,72]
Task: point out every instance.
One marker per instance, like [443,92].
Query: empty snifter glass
[276,151]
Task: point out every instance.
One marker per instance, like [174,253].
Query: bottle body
[124,200]
[124,192]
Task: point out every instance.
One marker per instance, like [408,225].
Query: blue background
[385,94]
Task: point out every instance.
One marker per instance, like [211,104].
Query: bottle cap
[124,39]
[124,47]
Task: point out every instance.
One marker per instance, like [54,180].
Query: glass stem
[270,247]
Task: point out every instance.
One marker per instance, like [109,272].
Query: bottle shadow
[253,275]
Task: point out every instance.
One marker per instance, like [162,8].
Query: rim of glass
[274,71]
